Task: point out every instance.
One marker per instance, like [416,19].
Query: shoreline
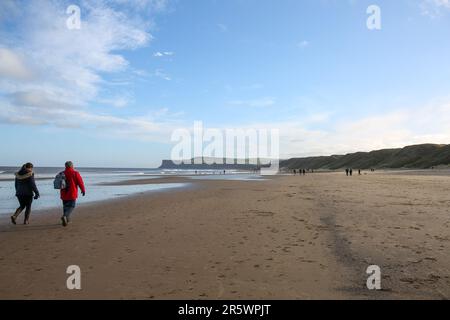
[162,180]
[158,180]
[282,238]
[5,218]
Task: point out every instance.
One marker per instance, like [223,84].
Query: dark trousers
[25,203]
[68,207]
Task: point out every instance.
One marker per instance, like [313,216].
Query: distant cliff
[422,156]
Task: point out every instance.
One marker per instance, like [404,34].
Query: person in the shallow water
[26,190]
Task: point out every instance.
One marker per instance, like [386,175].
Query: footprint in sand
[262,213]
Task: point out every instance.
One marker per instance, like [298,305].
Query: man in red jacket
[69,195]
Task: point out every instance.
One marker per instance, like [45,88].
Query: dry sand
[284,238]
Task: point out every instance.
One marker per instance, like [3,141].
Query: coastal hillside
[422,156]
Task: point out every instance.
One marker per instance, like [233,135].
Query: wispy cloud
[118,101]
[51,75]
[12,66]
[160,54]
[160,73]
[398,128]
[434,8]
[154,126]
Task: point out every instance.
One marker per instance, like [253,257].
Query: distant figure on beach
[359,172]
[26,190]
[69,194]
[224,172]
[295,172]
[347,171]
[351,172]
[304,172]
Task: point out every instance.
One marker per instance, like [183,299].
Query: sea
[94,178]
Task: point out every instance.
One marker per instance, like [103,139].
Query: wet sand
[286,237]
[158,180]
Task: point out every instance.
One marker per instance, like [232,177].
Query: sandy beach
[287,237]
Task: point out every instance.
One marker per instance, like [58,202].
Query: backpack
[60,182]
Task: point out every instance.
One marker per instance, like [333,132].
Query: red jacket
[74,180]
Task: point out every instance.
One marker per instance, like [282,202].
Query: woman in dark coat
[26,190]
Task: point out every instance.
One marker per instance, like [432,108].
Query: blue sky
[111,93]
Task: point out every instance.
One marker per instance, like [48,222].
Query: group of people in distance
[348,171]
[27,191]
[301,172]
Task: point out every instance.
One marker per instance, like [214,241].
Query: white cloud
[159,73]
[38,100]
[398,128]
[12,66]
[118,101]
[160,54]
[434,8]
[51,75]
[35,110]
[149,5]
[71,61]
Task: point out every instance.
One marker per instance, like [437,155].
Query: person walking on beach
[26,191]
[351,172]
[69,194]
[347,171]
